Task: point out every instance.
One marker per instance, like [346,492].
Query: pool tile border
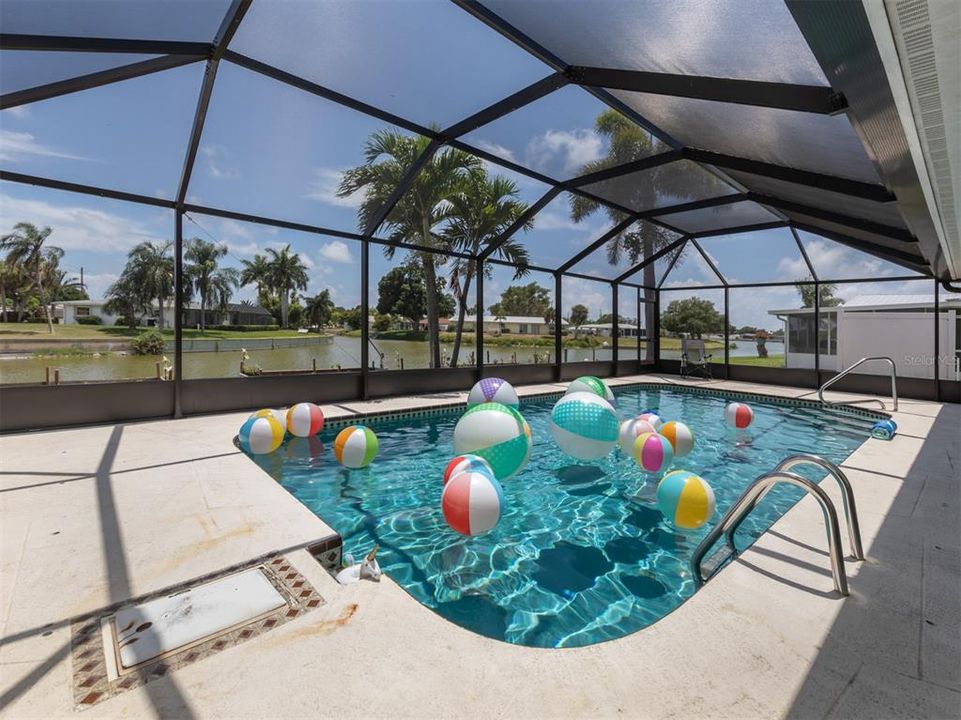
[91,683]
[442,408]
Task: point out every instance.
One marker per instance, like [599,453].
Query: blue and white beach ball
[685,499]
[584,425]
[653,418]
[260,435]
[629,431]
[493,389]
[466,463]
[498,434]
[591,384]
[472,502]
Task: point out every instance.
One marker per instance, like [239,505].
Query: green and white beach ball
[496,433]
[591,384]
[584,425]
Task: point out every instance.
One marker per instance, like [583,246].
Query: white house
[607,329]
[68,312]
[513,324]
[895,326]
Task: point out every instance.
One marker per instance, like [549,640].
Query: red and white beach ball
[738,415]
[465,463]
[305,419]
[629,431]
[653,418]
[472,502]
[653,452]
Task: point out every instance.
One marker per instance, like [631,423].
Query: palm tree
[256,272]
[286,274]
[203,276]
[153,269]
[320,309]
[25,246]
[480,213]
[389,155]
[125,299]
[628,142]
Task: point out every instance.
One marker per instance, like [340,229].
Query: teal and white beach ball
[356,446]
[496,433]
[591,384]
[260,435]
[584,425]
[685,499]
[493,389]
[629,431]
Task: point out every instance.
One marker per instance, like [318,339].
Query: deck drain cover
[173,622]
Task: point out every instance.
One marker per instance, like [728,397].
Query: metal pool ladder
[732,520]
[894,383]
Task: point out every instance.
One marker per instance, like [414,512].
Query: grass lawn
[776,361]
[38,331]
[669,343]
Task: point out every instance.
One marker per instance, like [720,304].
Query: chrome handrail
[894,383]
[747,502]
[847,498]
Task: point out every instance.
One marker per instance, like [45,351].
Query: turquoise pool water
[582,554]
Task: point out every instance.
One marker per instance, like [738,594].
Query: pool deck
[97,515]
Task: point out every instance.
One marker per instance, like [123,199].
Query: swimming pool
[581,555]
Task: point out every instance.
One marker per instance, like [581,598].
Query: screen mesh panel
[720,217]
[615,257]
[759,256]
[23,69]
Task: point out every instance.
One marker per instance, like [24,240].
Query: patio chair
[694,360]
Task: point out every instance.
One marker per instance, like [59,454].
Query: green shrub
[244,328]
[148,343]
[90,320]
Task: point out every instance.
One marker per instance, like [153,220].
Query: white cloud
[574,148]
[20,112]
[595,295]
[16,146]
[78,228]
[97,284]
[324,188]
[495,149]
[214,156]
[336,251]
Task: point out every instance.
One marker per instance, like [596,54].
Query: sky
[272,150]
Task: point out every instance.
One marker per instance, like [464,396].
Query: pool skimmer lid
[140,633]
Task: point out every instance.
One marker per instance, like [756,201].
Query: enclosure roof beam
[709,261]
[804,253]
[653,258]
[519,223]
[740,229]
[97,79]
[609,235]
[899,257]
[60,43]
[8,176]
[627,168]
[783,96]
[895,233]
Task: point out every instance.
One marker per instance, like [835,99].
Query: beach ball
[653,452]
[472,502]
[653,418]
[260,435]
[466,463]
[685,499]
[498,434]
[738,415]
[305,419]
[493,390]
[305,449]
[680,436]
[629,430]
[591,384]
[584,425]
[356,446]
[278,415]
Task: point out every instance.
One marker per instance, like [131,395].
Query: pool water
[581,555]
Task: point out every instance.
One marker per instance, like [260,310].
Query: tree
[389,157]
[578,316]
[320,309]
[286,273]
[484,209]
[401,291]
[827,298]
[25,246]
[125,299]
[694,316]
[256,272]
[202,275]
[660,185]
[152,269]
[532,300]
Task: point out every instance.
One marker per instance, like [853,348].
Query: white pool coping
[96,515]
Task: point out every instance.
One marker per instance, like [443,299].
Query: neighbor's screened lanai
[619,169]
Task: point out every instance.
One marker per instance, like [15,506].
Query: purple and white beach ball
[493,389]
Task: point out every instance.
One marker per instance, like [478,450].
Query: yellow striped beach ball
[685,499]
[260,435]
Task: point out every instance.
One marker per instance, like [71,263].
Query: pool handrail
[847,498]
[894,383]
[747,502]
